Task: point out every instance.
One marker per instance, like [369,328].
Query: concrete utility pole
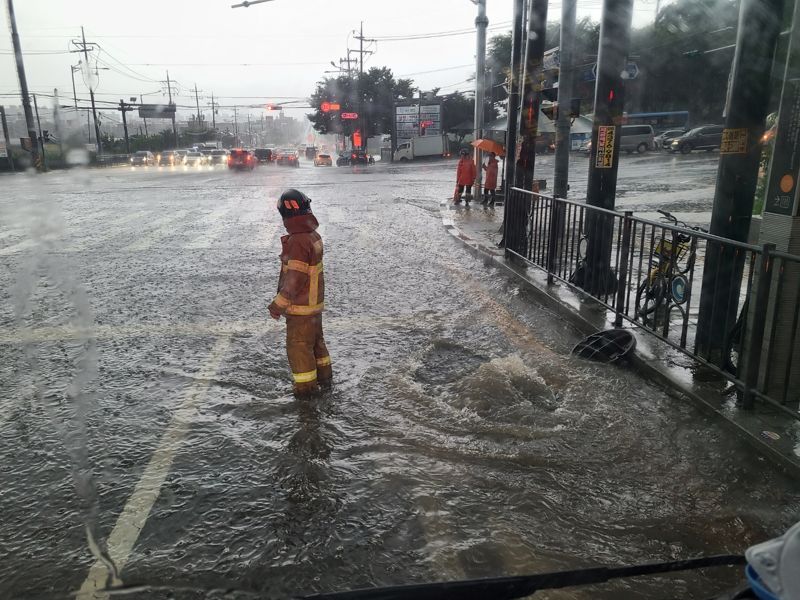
[5,136]
[40,141]
[213,112]
[174,127]
[83,47]
[515,213]
[141,100]
[123,108]
[197,100]
[740,154]
[532,92]
[72,70]
[609,102]
[481,23]
[23,86]
[566,84]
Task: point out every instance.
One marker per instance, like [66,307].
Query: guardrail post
[622,281]
[755,341]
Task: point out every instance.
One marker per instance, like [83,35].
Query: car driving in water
[241,159]
[323,160]
[194,159]
[143,158]
[288,158]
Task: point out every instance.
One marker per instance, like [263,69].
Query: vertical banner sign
[605,146]
[407,122]
[782,190]
[3,151]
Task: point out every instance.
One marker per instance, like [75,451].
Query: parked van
[636,137]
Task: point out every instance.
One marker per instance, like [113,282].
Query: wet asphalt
[146,398]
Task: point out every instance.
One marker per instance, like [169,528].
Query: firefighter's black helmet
[294,203]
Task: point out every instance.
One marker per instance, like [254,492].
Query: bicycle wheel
[650,295]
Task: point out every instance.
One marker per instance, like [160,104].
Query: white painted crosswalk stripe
[136,511]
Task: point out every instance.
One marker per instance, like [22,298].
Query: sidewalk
[772,434]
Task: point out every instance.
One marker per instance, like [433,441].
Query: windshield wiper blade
[508,588]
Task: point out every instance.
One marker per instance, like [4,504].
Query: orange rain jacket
[301,286]
[465,175]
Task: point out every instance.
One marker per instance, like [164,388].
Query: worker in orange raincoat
[490,185]
[465,177]
[301,294]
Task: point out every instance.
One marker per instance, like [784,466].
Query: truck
[426,146]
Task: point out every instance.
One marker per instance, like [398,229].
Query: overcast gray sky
[288,44]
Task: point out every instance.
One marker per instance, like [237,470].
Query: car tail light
[352,156]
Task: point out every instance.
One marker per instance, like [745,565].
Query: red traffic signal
[350,116]
[329,106]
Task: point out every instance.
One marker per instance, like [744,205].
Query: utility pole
[197,100]
[56,124]
[123,108]
[174,127]
[72,70]
[82,46]
[249,130]
[141,100]
[235,125]
[4,123]
[532,92]
[740,154]
[566,83]
[481,23]
[515,213]
[23,86]
[609,103]
[362,118]
[40,142]
[213,112]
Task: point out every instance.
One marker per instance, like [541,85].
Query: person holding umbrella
[490,185]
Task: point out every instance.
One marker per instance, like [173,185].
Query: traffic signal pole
[23,86]
[514,215]
[609,101]
[532,92]
[481,23]
[566,84]
[740,154]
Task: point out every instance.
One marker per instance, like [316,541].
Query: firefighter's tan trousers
[308,354]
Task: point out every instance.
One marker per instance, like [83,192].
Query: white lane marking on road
[19,336]
[134,515]
[110,230]
[215,224]
[159,229]
[19,247]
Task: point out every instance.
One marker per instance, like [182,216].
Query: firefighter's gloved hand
[274,312]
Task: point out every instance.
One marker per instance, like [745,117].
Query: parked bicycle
[667,282]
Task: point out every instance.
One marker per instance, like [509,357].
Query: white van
[636,137]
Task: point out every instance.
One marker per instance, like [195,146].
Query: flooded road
[147,399]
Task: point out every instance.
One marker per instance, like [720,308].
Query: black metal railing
[649,273]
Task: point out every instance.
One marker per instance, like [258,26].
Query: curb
[588,319]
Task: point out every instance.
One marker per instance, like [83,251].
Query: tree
[457,108]
[373,93]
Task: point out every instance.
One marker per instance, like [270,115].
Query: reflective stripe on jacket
[301,286]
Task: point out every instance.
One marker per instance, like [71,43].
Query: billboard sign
[3,151]
[156,111]
[415,120]
[349,116]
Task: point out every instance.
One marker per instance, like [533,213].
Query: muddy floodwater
[146,399]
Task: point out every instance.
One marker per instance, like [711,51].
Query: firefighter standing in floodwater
[301,294]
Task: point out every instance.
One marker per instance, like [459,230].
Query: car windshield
[234,367]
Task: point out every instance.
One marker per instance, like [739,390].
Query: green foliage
[457,108]
[372,93]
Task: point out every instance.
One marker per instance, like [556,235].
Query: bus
[660,121]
